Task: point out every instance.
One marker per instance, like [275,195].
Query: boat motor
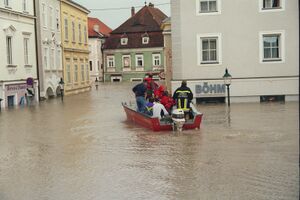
[178,119]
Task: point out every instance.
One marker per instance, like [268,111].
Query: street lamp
[61,85]
[227,81]
[0,103]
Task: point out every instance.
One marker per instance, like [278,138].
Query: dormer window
[145,40]
[96,28]
[124,41]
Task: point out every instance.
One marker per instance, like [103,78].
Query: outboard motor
[178,119]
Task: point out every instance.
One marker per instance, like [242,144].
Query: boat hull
[154,123]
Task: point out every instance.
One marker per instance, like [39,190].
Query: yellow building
[74,21]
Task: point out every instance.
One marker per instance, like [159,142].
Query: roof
[145,20]
[104,30]
[134,41]
[82,8]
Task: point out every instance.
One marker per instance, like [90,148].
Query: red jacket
[167,101]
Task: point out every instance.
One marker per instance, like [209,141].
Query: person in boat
[140,93]
[151,86]
[158,109]
[149,106]
[158,93]
[167,101]
[183,97]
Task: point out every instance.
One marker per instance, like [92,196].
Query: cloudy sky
[114,12]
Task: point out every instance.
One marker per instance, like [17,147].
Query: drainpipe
[35,3]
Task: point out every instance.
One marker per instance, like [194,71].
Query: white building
[98,31]
[257,40]
[49,47]
[17,51]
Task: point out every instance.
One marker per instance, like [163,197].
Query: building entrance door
[11,101]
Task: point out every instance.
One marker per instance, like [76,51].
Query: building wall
[240,31]
[95,57]
[133,72]
[49,46]
[167,54]
[19,25]
[75,52]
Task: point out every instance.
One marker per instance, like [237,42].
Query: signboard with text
[207,89]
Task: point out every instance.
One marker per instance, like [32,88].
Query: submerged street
[84,149]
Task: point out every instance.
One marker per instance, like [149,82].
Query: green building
[135,48]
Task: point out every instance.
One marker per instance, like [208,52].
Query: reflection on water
[84,149]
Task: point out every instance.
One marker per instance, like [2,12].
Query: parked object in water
[156,124]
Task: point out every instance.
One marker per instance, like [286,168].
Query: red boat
[155,124]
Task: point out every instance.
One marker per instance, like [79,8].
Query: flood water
[83,149]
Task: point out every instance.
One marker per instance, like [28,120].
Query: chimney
[151,5]
[132,11]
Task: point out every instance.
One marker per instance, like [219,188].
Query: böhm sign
[209,90]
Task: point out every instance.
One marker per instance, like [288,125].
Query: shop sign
[11,88]
[209,89]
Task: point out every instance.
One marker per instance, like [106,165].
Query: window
[75,73]
[46,58]
[272,46]
[57,20]
[85,35]
[268,4]
[68,73]
[9,50]
[58,56]
[73,31]
[51,17]
[110,61]
[87,71]
[82,72]
[156,59]
[7,3]
[209,49]
[126,61]
[145,40]
[139,60]
[26,54]
[66,30]
[271,5]
[24,5]
[91,65]
[44,15]
[208,7]
[52,59]
[79,33]
[124,41]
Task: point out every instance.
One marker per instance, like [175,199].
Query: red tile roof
[134,41]
[147,20]
[103,28]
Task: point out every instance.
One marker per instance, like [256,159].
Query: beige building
[258,41]
[74,25]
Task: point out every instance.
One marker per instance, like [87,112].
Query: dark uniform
[183,96]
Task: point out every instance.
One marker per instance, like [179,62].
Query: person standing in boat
[183,97]
[140,93]
[151,86]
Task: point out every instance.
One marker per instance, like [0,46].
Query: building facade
[49,47]
[257,41]
[17,52]
[135,48]
[98,31]
[74,23]
[167,75]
